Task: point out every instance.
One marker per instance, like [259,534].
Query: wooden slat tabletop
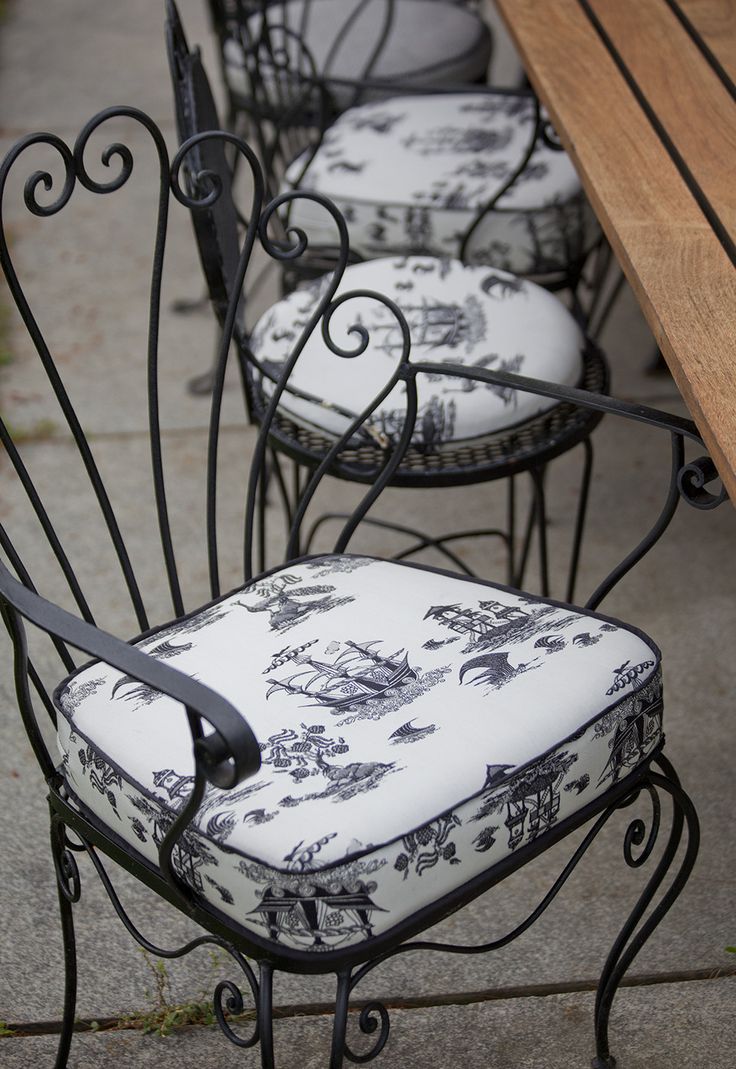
[715,22]
[651,127]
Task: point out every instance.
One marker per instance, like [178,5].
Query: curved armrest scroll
[227,756]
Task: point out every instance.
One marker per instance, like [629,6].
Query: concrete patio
[528,1006]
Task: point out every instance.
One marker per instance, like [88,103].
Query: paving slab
[688,1025]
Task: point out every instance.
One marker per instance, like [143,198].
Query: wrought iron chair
[187,757]
[473,173]
[481,317]
[402,41]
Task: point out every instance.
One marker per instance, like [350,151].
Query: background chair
[466,434]
[160,765]
[473,173]
[401,41]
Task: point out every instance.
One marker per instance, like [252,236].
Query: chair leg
[265,1013]
[372,1018]
[68,889]
[634,934]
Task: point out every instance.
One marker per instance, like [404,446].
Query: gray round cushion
[428,43]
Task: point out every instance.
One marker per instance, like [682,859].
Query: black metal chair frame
[229,752]
[527,448]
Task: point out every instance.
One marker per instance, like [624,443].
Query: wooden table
[642,95]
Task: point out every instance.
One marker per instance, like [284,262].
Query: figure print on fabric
[301,754]
[223,892]
[585,639]
[315,911]
[455,140]
[627,674]
[578,785]
[342,565]
[437,643]
[426,847]
[409,733]
[191,853]
[494,670]
[502,286]
[101,775]
[74,693]
[550,644]
[281,597]
[635,725]
[493,623]
[531,802]
[486,838]
[141,693]
[345,782]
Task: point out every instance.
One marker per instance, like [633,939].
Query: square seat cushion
[416,728]
[478,317]
[411,174]
[429,42]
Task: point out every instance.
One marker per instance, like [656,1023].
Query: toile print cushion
[410,174]
[415,728]
[479,317]
[430,42]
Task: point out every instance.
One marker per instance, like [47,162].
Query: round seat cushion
[475,316]
[411,174]
[428,42]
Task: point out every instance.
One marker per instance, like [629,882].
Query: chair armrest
[227,756]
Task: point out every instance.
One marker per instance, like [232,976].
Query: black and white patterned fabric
[410,174]
[429,42]
[473,316]
[416,728]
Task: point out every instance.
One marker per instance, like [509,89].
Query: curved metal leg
[68,888]
[636,931]
[265,1013]
[339,1025]
[373,1018]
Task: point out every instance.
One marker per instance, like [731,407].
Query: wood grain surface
[715,21]
[678,268]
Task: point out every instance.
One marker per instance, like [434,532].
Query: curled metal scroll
[368,1022]
[692,480]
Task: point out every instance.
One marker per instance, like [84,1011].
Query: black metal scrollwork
[692,480]
[636,833]
[229,999]
[368,1024]
[67,874]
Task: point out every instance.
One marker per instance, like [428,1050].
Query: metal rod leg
[580,518]
[634,933]
[265,1013]
[339,1025]
[68,889]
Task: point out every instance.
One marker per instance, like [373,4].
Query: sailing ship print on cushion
[391,677]
[456,314]
[411,174]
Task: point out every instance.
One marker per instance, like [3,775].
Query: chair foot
[604,1063]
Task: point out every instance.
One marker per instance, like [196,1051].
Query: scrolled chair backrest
[20,598]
